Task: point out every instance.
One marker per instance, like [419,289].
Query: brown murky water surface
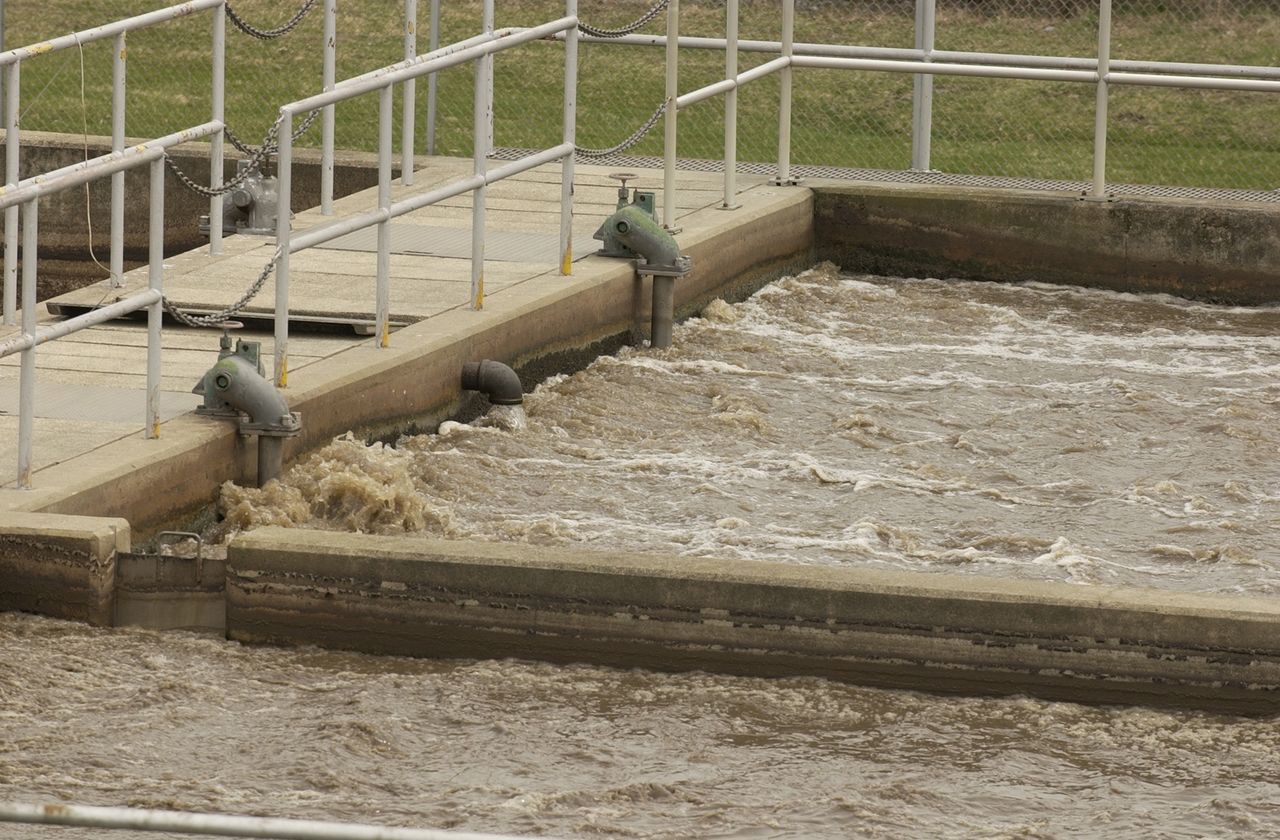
[1029,431]
[1032,431]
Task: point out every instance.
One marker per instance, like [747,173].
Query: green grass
[855,119]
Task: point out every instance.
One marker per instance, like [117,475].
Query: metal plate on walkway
[435,241]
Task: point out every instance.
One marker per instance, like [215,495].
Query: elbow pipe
[236,382]
[637,230]
[495,380]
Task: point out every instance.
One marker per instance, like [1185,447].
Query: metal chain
[221,315]
[257,157]
[629,28]
[269,34]
[635,138]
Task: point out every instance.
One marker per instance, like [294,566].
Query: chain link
[257,157]
[635,138]
[214,318]
[629,28]
[269,34]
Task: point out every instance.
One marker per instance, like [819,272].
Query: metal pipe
[118,58]
[155,283]
[731,106]
[284,193]
[92,318]
[663,314]
[939,69]
[110,30]
[496,381]
[433,43]
[568,137]
[217,114]
[479,133]
[319,235]
[142,819]
[725,86]
[327,117]
[669,116]
[408,104]
[27,376]
[11,144]
[1099,188]
[922,94]
[424,64]
[784,85]
[80,173]
[488,78]
[382,303]
[270,458]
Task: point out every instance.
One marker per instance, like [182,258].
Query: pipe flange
[289,425]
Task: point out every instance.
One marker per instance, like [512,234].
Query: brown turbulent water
[1033,431]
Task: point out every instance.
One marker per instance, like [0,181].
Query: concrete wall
[426,597]
[1209,251]
[61,566]
[64,261]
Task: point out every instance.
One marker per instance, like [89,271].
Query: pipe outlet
[234,383]
[637,230]
[495,380]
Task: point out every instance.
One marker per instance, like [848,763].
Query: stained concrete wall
[61,566]
[1221,252]
[426,597]
[64,257]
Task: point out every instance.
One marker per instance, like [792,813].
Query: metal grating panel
[502,246]
[895,176]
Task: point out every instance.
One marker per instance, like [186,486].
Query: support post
[669,118]
[27,374]
[118,57]
[284,192]
[663,314]
[479,150]
[1099,189]
[784,102]
[11,147]
[569,137]
[383,295]
[408,107]
[433,43]
[155,281]
[731,107]
[922,93]
[326,117]
[488,79]
[217,113]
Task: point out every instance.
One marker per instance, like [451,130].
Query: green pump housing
[644,201]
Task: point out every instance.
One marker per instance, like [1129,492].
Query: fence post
[731,106]
[409,106]
[27,380]
[669,118]
[284,196]
[1100,109]
[218,113]
[488,79]
[118,58]
[569,137]
[480,123]
[922,93]
[784,103]
[433,42]
[326,117]
[155,280]
[11,144]
[382,304]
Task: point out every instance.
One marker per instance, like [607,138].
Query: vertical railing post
[27,381]
[784,101]
[488,79]
[1099,189]
[118,57]
[922,93]
[409,104]
[284,193]
[731,106]
[569,137]
[217,113]
[433,42]
[155,280]
[669,117]
[479,131]
[11,146]
[382,303]
[326,117]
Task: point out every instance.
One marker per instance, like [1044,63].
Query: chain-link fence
[840,118]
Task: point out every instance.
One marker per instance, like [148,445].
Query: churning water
[1031,431]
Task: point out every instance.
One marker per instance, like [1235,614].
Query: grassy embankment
[845,119]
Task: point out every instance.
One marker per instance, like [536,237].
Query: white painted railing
[220,825]
[479,49]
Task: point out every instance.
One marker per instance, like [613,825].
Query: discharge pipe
[660,258]
[495,380]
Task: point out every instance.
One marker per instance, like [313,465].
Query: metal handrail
[479,49]
[221,825]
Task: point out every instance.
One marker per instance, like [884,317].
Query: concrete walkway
[88,442]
